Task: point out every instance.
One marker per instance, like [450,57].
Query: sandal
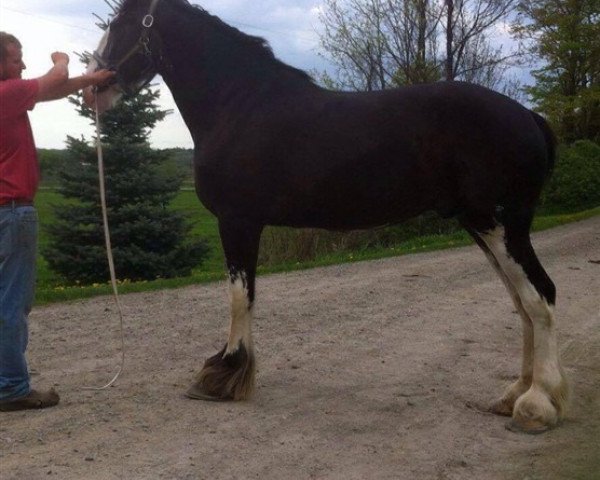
[34,399]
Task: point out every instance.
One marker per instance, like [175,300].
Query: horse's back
[350,160]
[457,146]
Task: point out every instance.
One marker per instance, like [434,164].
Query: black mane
[255,46]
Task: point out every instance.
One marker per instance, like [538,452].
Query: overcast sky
[44,26]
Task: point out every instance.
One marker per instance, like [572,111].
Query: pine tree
[149,240]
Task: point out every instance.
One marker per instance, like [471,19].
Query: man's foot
[34,399]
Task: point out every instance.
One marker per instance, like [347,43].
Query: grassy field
[51,288]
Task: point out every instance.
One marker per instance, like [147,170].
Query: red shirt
[19,169]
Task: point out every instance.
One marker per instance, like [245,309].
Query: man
[19,176]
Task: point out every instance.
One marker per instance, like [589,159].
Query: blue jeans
[18,245]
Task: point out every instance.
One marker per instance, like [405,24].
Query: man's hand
[60,57]
[56,78]
[89,98]
[101,77]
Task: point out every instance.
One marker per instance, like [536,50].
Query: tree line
[52,161]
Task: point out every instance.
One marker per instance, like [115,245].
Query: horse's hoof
[530,428]
[195,392]
[533,413]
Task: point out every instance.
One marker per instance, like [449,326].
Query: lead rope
[111,264]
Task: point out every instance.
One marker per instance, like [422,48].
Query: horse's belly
[357,206]
[343,198]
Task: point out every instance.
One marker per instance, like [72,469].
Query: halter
[142,45]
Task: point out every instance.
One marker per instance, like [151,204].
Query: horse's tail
[551,142]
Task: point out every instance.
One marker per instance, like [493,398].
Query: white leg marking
[527,326]
[241,315]
[108,98]
[546,400]
[505,405]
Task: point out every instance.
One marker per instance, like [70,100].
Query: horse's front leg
[229,375]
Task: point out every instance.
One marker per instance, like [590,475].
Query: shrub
[575,182]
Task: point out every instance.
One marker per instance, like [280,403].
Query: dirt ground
[365,371]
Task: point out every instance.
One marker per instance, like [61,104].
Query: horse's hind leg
[544,402]
[229,375]
[505,405]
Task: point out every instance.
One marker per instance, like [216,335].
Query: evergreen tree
[565,35]
[148,239]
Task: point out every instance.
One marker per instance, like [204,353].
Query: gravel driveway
[365,371]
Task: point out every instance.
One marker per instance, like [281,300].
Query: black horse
[273,148]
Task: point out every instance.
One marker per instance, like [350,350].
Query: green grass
[204,225]
[51,288]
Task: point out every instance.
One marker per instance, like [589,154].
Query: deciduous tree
[565,36]
[376,44]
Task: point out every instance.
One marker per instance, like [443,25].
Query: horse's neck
[191,99]
[204,82]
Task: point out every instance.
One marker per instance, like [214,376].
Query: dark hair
[5,40]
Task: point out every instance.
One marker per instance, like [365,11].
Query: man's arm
[57,84]
[55,78]
[75,84]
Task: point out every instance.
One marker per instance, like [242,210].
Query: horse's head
[131,48]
